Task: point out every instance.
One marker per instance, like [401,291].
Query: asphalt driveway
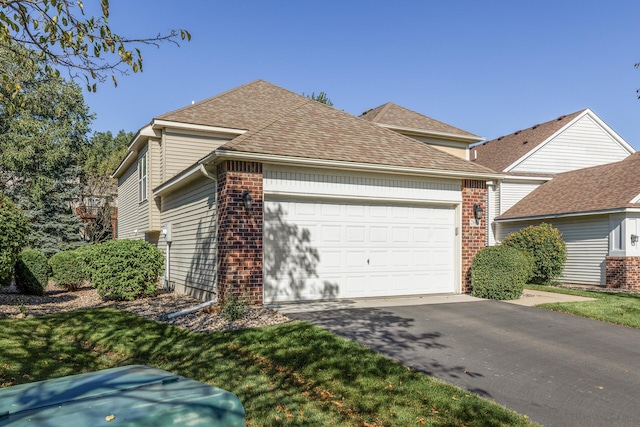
[559,369]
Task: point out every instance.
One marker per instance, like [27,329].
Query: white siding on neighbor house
[583,144]
[319,182]
[182,149]
[587,241]
[191,213]
[514,191]
[493,210]
[128,204]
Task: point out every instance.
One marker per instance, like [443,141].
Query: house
[264,192]
[552,174]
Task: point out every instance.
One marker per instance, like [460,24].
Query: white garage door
[321,250]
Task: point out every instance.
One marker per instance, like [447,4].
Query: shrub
[233,307]
[32,272]
[125,269]
[500,272]
[68,269]
[14,227]
[544,243]
[86,256]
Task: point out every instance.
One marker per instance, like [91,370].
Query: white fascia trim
[144,132]
[123,164]
[176,182]
[545,142]
[445,135]
[219,155]
[635,199]
[570,214]
[507,178]
[159,124]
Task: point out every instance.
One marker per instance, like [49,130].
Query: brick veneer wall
[623,272]
[239,231]
[474,236]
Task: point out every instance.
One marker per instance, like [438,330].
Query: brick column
[623,272]
[474,236]
[240,231]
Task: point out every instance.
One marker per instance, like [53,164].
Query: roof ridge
[385,107]
[219,95]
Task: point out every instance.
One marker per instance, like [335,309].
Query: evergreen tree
[40,140]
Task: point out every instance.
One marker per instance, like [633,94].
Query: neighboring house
[264,192]
[528,193]
[425,129]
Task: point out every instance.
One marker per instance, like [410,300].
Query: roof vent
[561,117]
[524,142]
[534,126]
[517,132]
[500,138]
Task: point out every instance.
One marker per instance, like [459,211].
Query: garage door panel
[356,250]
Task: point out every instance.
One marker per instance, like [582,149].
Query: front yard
[289,374]
[620,308]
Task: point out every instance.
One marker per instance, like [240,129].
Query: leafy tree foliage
[40,140]
[59,33]
[14,228]
[321,98]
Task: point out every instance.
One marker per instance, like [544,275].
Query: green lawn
[622,309]
[290,374]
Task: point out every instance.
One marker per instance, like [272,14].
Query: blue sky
[489,67]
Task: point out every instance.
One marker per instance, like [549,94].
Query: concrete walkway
[529,298]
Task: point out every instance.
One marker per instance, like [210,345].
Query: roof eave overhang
[469,139]
[568,214]
[223,154]
[220,155]
[164,124]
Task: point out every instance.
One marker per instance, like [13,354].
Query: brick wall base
[623,272]
[474,235]
[240,231]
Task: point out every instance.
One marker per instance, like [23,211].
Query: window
[142,178]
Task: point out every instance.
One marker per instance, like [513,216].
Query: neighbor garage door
[327,249]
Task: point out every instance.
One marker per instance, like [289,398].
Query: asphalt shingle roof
[309,129]
[244,107]
[393,115]
[597,188]
[501,152]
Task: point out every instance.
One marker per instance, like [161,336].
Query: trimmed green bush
[500,272]
[32,272]
[68,269]
[233,307]
[14,228]
[125,269]
[545,245]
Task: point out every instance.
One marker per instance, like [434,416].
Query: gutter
[567,214]
[222,154]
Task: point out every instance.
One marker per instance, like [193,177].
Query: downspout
[213,301]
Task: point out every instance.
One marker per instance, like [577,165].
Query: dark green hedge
[124,269]
[14,228]
[68,269]
[545,245]
[32,272]
[500,272]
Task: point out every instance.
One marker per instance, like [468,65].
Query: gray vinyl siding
[587,241]
[583,144]
[512,192]
[128,204]
[184,149]
[154,179]
[192,251]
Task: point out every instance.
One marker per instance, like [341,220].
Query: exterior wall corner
[473,233]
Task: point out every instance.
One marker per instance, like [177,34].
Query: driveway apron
[559,369]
